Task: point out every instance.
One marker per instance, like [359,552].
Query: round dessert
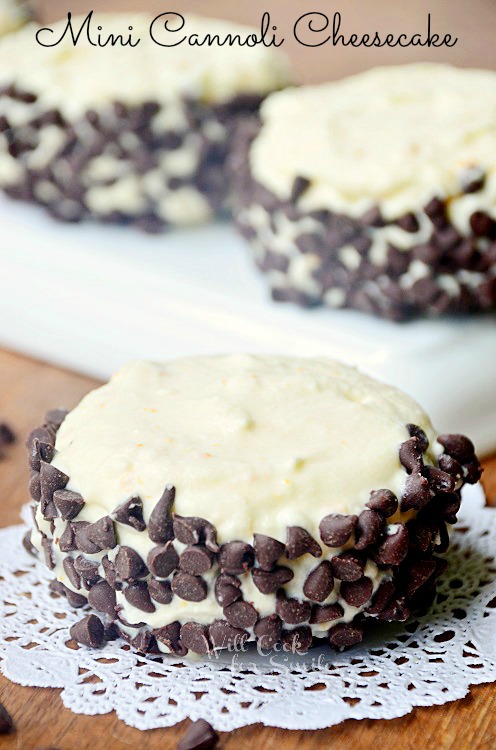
[13,15]
[377,192]
[125,134]
[205,502]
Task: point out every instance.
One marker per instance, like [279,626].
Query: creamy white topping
[12,16]
[253,444]
[396,136]
[77,78]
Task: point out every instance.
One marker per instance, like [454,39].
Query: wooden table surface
[27,390]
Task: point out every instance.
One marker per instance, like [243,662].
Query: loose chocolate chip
[68,504]
[411,456]
[28,545]
[370,529]
[51,479]
[348,566]
[144,642]
[227,589]
[191,530]
[345,635]
[292,611]
[67,541]
[395,611]
[128,564]
[40,452]
[319,583]
[199,736]
[236,557]
[160,591]
[300,185]
[336,530]
[196,560]
[241,614]
[88,631]
[35,486]
[102,598]
[55,417]
[417,574]
[102,533]
[300,542]
[383,501]
[223,635]
[267,550]
[268,631]
[188,587]
[326,613]
[71,572]
[194,637]
[298,640]
[163,560]
[160,528]
[269,582]
[137,595]
[357,593]
[416,431]
[6,722]
[382,596]
[458,446]
[130,513]
[394,548]
[416,493]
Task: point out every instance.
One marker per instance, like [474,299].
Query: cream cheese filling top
[396,136]
[253,444]
[75,79]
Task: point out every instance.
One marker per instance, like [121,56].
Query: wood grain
[27,390]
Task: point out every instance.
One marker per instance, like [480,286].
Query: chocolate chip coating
[326,613]
[345,635]
[224,635]
[68,504]
[88,631]
[236,557]
[268,631]
[163,560]
[416,493]
[269,582]
[130,513]
[267,550]
[227,589]
[370,529]
[102,533]
[241,614]
[160,591]
[137,594]
[411,456]
[192,530]
[160,528]
[102,598]
[348,566]
[194,637]
[292,611]
[129,564]
[356,593]
[298,640]
[300,542]
[383,501]
[458,446]
[196,560]
[319,583]
[188,587]
[394,548]
[336,530]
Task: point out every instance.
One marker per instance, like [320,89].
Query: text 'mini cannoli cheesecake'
[127,135]
[201,503]
[376,192]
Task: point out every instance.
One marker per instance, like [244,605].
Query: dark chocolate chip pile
[186,561]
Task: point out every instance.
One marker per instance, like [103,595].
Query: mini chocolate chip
[319,583]
[6,722]
[200,735]
[370,529]
[411,456]
[449,505]
[130,513]
[326,613]
[383,501]
[416,431]
[298,640]
[35,486]
[482,224]
[87,569]
[236,557]
[408,222]
[88,631]
[129,564]
[418,573]
[40,452]
[348,566]
[51,479]
[240,614]
[267,550]
[137,595]
[170,636]
[223,635]
[300,542]
[71,572]
[144,642]
[356,593]
[188,587]
[292,611]
[458,446]
[345,635]
[451,466]
[382,596]
[160,528]
[163,560]
[300,185]
[46,545]
[416,493]
[227,589]
[192,530]
[395,611]
[28,545]
[196,560]
[43,434]
[268,631]
[394,548]
[160,591]
[336,530]
[439,480]
[57,587]
[473,472]
[102,597]
[102,533]
[194,637]
[67,541]
[68,504]
[269,582]
[55,417]
[75,600]
[109,572]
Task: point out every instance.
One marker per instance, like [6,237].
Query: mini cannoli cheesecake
[376,192]
[133,135]
[203,503]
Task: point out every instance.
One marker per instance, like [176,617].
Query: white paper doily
[429,661]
